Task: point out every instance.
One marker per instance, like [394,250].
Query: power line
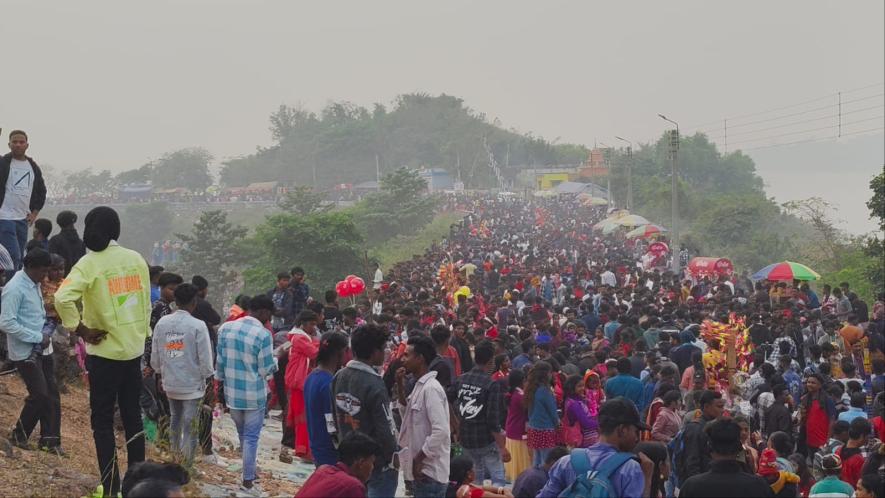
[793,123]
[819,139]
[781,108]
[809,130]
[799,113]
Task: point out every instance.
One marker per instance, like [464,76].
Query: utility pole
[377,169]
[629,172]
[674,199]
[608,172]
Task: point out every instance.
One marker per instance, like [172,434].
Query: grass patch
[404,247]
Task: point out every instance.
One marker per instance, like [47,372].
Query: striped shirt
[243,362]
[6,260]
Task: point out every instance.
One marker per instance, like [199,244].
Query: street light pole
[629,172]
[674,199]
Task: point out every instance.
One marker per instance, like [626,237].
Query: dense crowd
[525,355]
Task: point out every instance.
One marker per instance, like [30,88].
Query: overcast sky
[110,84]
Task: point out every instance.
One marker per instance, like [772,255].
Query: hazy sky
[113,84]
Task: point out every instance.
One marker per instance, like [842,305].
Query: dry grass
[39,474]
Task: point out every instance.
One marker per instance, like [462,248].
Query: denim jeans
[428,488]
[183,427]
[382,484]
[249,423]
[487,464]
[539,456]
[14,237]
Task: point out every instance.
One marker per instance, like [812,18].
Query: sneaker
[19,443]
[54,450]
[285,457]
[253,491]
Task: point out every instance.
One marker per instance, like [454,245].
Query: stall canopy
[701,267]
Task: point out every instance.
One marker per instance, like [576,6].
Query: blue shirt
[852,414]
[521,361]
[624,385]
[628,480]
[22,315]
[610,329]
[542,413]
[317,407]
[591,321]
[244,360]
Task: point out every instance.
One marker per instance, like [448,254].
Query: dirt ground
[36,473]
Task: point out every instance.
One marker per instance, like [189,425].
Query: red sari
[301,360]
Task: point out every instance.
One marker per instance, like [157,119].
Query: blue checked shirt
[243,362]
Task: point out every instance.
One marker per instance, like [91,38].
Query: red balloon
[343,288]
[357,286]
[349,278]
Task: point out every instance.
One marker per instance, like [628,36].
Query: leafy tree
[400,207]
[142,174]
[876,204]
[188,168]
[326,245]
[816,212]
[340,144]
[304,200]
[84,183]
[214,249]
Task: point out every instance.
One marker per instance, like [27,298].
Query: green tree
[402,206]
[188,168]
[214,249]
[876,204]
[304,200]
[326,245]
[85,182]
[141,174]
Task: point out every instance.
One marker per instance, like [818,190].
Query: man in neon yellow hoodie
[114,287]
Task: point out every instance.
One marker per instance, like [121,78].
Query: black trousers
[279,382]
[42,403]
[113,382]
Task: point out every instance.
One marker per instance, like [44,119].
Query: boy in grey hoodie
[182,355]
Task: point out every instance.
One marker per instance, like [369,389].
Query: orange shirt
[851,334]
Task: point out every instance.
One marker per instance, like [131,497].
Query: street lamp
[629,172]
[674,199]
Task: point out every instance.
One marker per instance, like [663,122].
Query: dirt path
[36,473]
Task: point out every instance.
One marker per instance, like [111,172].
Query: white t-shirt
[19,185]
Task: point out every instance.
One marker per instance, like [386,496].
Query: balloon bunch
[350,286]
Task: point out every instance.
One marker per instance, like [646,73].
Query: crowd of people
[525,355]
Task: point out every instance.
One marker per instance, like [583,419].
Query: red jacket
[851,466]
[332,481]
[301,355]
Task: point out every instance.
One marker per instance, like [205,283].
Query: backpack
[676,448]
[593,483]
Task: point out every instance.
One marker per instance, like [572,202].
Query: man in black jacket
[67,243]
[725,477]
[360,401]
[22,195]
[696,451]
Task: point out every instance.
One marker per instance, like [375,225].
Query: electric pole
[674,199]
[629,172]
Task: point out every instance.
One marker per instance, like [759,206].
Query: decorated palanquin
[734,338]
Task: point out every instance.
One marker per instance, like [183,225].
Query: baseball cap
[621,411]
